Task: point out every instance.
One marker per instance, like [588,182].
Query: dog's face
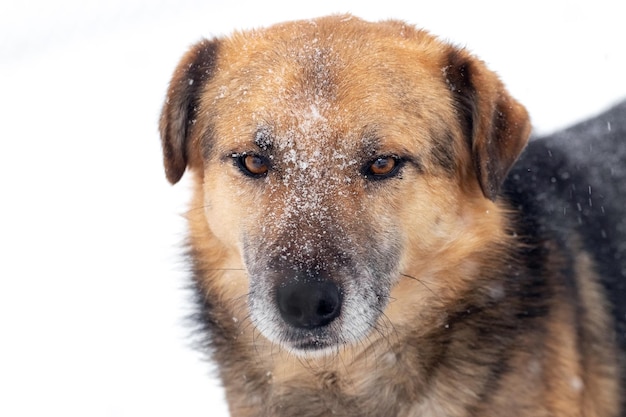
[334,157]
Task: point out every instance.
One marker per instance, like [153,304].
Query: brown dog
[353,250]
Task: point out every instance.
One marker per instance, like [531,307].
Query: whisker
[224,269]
[421,282]
[192,209]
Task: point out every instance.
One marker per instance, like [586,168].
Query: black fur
[574,183]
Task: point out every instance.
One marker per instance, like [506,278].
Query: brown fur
[456,336]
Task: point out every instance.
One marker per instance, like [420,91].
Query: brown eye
[382,167]
[252,165]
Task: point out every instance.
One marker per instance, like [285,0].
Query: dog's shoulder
[572,185]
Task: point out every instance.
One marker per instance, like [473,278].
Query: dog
[366,240]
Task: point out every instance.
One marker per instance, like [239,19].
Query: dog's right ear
[181,106]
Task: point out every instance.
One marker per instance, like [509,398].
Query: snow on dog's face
[332,158]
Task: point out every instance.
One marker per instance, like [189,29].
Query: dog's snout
[309,304]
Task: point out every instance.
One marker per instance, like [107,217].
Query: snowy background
[92,298]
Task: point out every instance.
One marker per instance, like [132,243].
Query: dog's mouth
[311,343]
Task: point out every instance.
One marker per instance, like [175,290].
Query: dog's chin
[312,347]
[302,343]
[317,343]
[316,352]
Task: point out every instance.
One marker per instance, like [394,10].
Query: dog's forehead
[306,60]
[324,80]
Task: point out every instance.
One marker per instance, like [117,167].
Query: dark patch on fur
[442,152]
[561,199]
[593,185]
[497,136]
[495,126]
[199,71]
[179,112]
[458,77]
[563,187]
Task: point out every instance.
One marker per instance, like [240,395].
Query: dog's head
[334,156]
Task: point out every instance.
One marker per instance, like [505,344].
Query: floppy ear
[181,105]
[496,126]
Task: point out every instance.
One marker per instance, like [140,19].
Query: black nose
[309,304]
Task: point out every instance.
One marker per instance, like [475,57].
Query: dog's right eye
[252,165]
[383,167]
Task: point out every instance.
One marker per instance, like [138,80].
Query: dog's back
[572,186]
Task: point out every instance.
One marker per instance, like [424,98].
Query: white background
[92,298]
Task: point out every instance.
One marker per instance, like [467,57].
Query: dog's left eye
[252,165]
[382,167]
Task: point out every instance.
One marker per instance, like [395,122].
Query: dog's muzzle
[314,302]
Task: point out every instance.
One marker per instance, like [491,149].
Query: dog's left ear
[496,126]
